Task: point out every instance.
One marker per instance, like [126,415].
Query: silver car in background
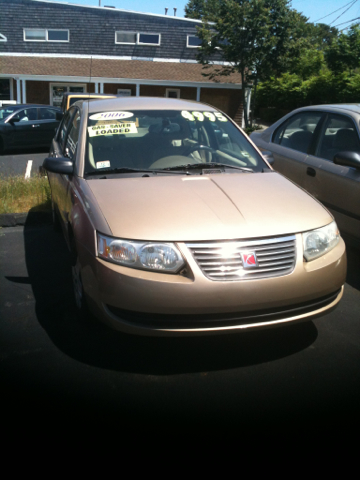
[318,148]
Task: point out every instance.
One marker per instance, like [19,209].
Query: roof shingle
[109,68]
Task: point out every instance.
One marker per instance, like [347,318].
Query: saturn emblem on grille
[249,260]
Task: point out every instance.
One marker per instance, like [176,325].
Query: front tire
[55,217]
[79,294]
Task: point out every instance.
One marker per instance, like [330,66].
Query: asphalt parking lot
[14,163]
[56,371]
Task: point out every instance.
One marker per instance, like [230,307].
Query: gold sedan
[178,226]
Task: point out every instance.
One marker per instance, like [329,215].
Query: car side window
[338,134]
[64,128]
[73,136]
[298,131]
[27,115]
[47,114]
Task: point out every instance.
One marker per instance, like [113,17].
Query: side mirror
[347,159]
[14,119]
[59,165]
[268,156]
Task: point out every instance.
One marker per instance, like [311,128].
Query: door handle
[34,126]
[311,172]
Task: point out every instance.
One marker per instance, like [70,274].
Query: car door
[23,131]
[68,147]
[48,124]
[291,142]
[336,186]
[57,182]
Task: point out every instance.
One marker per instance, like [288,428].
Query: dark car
[28,126]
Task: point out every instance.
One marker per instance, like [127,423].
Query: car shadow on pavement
[93,343]
[24,151]
[353,266]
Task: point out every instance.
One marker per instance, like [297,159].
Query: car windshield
[158,140]
[6,111]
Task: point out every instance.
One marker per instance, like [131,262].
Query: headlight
[320,241]
[161,257]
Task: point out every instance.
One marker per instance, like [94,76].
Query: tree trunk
[243,87]
[254,102]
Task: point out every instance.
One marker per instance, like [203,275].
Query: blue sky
[314,9]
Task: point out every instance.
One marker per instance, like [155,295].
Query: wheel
[195,148]
[209,156]
[55,217]
[79,295]
[77,285]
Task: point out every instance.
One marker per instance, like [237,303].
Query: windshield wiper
[205,166]
[126,170]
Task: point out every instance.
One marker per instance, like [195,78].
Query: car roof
[24,105]
[145,103]
[86,94]
[353,107]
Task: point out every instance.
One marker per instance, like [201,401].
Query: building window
[223,42]
[173,93]
[193,41]
[125,37]
[149,38]
[46,35]
[34,35]
[132,38]
[57,91]
[5,93]
[58,35]
[3,38]
[124,92]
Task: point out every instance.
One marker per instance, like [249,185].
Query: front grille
[221,261]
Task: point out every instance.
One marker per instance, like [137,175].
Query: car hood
[214,207]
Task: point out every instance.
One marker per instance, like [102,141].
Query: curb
[26,218]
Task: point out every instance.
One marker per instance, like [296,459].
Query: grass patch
[18,195]
[249,130]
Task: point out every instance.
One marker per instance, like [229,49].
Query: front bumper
[151,303]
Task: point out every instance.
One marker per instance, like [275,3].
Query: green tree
[199,9]
[343,54]
[322,34]
[253,36]
[305,50]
